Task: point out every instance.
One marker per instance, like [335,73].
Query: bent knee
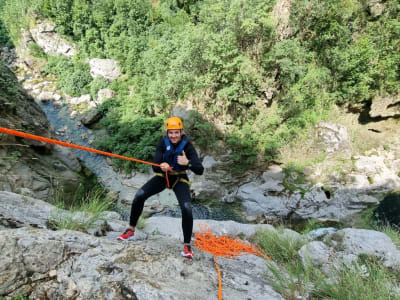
[187,209]
[140,195]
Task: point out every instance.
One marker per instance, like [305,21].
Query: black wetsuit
[181,188]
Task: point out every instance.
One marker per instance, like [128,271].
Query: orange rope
[223,246]
[219,278]
[64,144]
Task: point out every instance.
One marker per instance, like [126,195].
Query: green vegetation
[37,51]
[4,37]
[73,75]
[225,58]
[80,216]
[138,137]
[8,85]
[278,245]
[366,278]
[141,223]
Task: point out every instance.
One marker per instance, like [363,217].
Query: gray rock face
[281,12]
[27,165]
[345,247]
[21,211]
[333,137]
[106,68]
[18,211]
[45,36]
[361,241]
[209,185]
[316,253]
[172,227]
[104,94]
[375,8]
[385,106]
[267,196]
[91,117]
[72,264]
[377,173]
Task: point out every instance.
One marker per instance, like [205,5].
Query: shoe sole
[128,239]
[187,255]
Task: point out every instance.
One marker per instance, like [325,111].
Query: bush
[279,246]
[73,75]
[244,150]
[37,51]
[203,133]
[136,138]
[97,84]
[4,35]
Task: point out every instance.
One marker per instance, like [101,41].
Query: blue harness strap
[171,153]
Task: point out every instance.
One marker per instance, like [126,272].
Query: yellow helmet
[173,123]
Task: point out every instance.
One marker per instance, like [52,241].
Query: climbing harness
[223,246]
[177,179]
[64,144]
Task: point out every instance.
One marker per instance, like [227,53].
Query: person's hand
[182,159]
[164,166]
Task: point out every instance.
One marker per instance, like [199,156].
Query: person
[175,154]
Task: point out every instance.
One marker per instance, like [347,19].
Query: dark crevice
[365,118]
[393,104]
[374,130]
[327,194]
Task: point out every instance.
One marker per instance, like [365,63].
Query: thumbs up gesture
[182,159]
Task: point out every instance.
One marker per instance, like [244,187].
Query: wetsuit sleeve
[158,156]
[195,164]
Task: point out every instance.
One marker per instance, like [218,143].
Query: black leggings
[156,185]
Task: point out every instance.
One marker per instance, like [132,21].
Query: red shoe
[187,251]
[128,235]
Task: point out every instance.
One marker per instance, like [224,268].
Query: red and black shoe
[128,235]
[187,251]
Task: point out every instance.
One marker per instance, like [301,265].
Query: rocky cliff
[30,167]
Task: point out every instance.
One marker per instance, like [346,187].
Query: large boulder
[45,35]
[388,106]
[106,68]
[347,245]
[375,8]
[333,137]
[104,94]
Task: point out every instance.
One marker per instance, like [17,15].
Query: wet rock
[91,117]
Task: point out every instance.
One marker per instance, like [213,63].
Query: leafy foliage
[224,56]
[137,138]
[74,76]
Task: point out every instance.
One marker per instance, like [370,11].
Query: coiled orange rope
[223,246]
[64,144]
